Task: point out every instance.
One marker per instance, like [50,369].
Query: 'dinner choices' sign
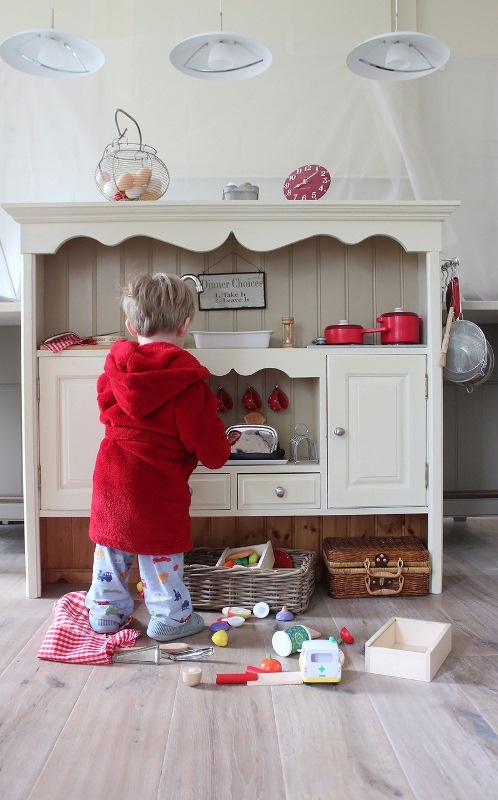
[231,290]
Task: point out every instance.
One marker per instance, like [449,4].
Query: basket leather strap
[375,572]
[383,590]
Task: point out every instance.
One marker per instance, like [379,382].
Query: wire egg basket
[131,171]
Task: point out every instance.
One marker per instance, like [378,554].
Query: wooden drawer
[299,490]
[210,491]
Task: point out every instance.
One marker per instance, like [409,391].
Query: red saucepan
[346,333]
[397,327]
[400,327]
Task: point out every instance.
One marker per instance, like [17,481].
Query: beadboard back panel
[318,281]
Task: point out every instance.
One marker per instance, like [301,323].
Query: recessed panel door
[377,431]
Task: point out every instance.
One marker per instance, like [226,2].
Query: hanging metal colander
[467,356]
[130,171]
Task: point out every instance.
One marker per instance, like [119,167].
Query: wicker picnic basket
[376,567]
[215,587]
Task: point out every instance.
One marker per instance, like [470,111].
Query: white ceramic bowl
[230,339]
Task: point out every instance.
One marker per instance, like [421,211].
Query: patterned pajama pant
[165,595]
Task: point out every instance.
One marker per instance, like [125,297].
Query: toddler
[160,419]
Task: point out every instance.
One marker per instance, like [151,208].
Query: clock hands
[305,181]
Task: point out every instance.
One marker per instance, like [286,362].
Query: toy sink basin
[231,339]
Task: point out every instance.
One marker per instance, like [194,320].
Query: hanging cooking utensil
[467,354]
[446,337]
[453,296]
[454,309]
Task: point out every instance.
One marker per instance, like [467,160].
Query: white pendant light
[398,56]
[52,54]
[220,56]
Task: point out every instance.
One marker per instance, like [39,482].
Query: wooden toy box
[408,648]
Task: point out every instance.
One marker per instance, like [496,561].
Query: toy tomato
[270,664]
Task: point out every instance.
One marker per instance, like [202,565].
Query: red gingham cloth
[64,340]
[71,639]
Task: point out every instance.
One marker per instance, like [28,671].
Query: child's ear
[130,330]
[182,330]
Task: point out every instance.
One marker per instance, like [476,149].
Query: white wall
[417,139]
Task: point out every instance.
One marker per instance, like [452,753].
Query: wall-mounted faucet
[198,284]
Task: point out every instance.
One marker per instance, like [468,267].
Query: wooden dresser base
[67,552]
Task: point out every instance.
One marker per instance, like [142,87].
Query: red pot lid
[342,325]
[399,313]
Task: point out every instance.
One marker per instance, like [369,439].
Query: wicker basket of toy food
[215,587]
[373,567]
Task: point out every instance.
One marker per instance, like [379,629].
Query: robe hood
[144,377]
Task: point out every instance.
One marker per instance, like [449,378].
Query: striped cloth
[71,639]
[64,340]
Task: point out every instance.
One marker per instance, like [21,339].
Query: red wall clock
[309,182]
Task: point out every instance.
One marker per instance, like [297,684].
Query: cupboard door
[70,431]
[376,430]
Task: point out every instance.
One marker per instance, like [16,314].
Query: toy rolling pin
[446,338]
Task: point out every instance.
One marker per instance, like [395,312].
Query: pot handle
[375,330]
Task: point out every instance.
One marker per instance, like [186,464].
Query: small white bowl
[231,339]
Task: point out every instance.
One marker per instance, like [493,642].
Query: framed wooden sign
[232,290]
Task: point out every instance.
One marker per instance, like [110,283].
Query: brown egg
[124,181]
[142,176]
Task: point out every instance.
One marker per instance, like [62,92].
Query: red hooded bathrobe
[160,420]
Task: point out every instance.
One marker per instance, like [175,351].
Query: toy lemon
[220,638]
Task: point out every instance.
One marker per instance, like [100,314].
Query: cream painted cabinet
[317,260]
[377,452]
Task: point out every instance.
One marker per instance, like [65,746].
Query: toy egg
[147,196]
[110,189]
[142,176]
[235,622]
[134,192]
[220,638]
[102,179]
[154,188]
[124,181]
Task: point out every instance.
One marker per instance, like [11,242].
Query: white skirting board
[11,509]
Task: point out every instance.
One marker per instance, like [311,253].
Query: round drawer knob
[279,491]
[339,431]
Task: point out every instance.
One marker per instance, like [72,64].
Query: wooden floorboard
[137,732]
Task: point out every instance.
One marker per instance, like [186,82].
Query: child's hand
[234,437]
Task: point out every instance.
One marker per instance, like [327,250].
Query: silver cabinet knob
[339,431]
[279,491]
[191,490]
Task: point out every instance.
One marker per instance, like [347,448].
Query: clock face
[309,182]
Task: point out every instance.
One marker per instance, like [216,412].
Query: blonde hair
[159,302]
